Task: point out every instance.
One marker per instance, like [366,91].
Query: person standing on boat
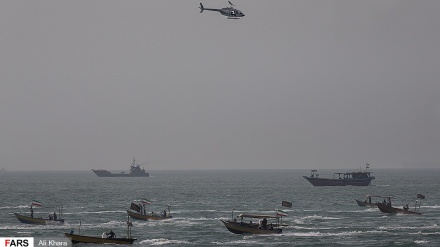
[264,222]
[164,213]
[54,216]
[369,199]
[142,208]
[111,234]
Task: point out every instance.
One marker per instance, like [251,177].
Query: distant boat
[135,171]
[262,227]
[367,202]
[139,212]
[361,178]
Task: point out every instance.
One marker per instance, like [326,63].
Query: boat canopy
[258,216]
[393,197]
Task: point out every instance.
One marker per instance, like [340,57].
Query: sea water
[320,216]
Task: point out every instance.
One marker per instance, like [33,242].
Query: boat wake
[332,234]
[388,228]
[163,241]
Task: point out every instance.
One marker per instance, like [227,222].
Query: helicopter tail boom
[203,8]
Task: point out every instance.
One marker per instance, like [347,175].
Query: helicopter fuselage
[228,11]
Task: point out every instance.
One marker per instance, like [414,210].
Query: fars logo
[16,242]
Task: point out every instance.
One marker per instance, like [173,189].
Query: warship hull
[105,173]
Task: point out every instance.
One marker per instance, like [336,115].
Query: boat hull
[245,228]
[38,221]
[366,204]
[105,173]
[138,216]
[338,182]
[75,239]
[392,210]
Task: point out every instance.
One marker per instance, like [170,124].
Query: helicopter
[230,12]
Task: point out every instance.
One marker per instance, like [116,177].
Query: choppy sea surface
[320,216]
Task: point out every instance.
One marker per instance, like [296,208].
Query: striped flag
[281,213]
[286,204]
[36,203]
[145,201]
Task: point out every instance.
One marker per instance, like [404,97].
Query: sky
[295,84]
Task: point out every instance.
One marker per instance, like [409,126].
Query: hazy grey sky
[293,84]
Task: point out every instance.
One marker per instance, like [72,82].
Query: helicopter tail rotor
[201,8]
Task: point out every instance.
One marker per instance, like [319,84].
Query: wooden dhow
[360,178]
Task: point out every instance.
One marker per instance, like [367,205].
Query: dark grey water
[321,216]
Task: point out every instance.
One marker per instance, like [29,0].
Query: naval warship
[135,171]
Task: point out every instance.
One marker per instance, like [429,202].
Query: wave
[239,242]
[331,234]
[162,241]
[319,217]
[15,207]
[435,226]
[97,212]
[354,211]
[315,228]
[425,233]
[421,241]
[36,227]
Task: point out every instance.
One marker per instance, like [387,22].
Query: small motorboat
[106,238]
[368,203]
[261,227]
[393,210]
[53,219]
[139,212]
[38,221]
[75,239]
[385,207]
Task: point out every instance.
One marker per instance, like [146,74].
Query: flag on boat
[36,203]
[314,170]
[286,204]
[135,207]
[281,213]
[420,196]
[367,166]
[145,201]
